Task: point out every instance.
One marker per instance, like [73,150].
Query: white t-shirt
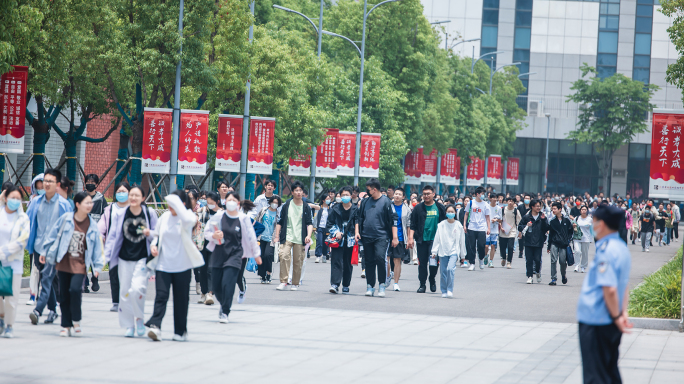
[260,203]
[6,225]
[476,218]
[494,227]
[172,257]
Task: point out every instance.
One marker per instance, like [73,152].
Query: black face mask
[90,187]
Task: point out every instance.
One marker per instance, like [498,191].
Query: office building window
[609,23]
[490,29]
[642,40]
[521,44]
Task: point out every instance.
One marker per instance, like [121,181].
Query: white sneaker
[396,287]
[481,264]
[648,250]
[281,286]
[491,264]
[31,302]
[198,290]
[223,318]
[584,270]
[472,267]
[155,334]
[450,294]
[294,288]
[577,268]
[202,299]
[363,273]
[465,264]
[508,266]
[529,280]
[538,277]
[318,260]
[241,297]
[444,295]
[180,338]
[415,262]
[370,291]
[209,300]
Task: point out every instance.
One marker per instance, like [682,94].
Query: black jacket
[560,232]
[418,220]
[536,234]
[388,218]
[335,218]
[306,221]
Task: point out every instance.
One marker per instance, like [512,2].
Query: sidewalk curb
[658,324]
[104,276]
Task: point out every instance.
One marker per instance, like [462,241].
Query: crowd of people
[217,236]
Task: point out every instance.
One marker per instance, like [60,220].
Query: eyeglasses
[49,182]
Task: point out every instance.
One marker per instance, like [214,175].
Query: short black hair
[534,202]
[10,188]
[356,189]
[275,197]
[54,172]
[297,184]
[346,188]
[493,195]
[373,183]
[214,196]
[480,190]
[92,177]
[557,204]
[428,187]
[123,184]
[451,206]
[612,216]
[79,197]
[6,185]
[510,198]
[400,189]
[272,182]
[142,191]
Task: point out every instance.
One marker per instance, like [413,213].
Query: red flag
[475,175]
[156,153]
[346,154]
[261,136]
[13,109]
[229,143]
[512,171]
[369,163]
[300,166]
[192,142]
[494,170]
[327,154]
[429,174]
[451,165]
[413,167]
[666,174]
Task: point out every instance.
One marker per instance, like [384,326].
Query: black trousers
[85,278]
[476,241]
[341,268]
[506,248]
[423,251]
[203,273]
[181,299]
[521,246]
[241,282]
[599,346]
[114,281]
[224,280]
[267,253]
[70,304]
[375,256]
[675,230]
[533,258]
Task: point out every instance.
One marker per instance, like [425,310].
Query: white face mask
[274,205]
[231,206]
[338,199]
[211,206]
[355,200]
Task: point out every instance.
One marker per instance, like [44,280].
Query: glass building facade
[490,29]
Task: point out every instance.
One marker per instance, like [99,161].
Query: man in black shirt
[646,226]
[523,208]
[376,226]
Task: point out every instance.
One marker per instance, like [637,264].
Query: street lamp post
[546,163]
[473,62]
[245,119]
[446,35]
[358,118]
[176,110]
[464,41]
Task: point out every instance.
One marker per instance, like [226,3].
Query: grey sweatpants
[584,249]
[558,255]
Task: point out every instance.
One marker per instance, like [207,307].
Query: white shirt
[260,203]
[449,239]
[585,225]
[172,257]
[6,224]
[476,218]
[494,227]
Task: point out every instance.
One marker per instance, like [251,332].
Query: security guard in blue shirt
[602,306]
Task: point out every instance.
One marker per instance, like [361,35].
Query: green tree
[674,8]
[613,110]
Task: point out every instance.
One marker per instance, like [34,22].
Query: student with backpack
[509,231]
[104,226]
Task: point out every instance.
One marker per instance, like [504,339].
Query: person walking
[73,246]
[677,219]
[400,253]
[322,250]
[104,226]
[231,239]
[646,228]
[99,205]
[43,213]
[661,216]
[174,256]
[268,218]
[376,227]
[560,238]
[585,223]
[424,221]
[128,242]
[669,224]
[478,218]
[634,229]
[37,189]
[495,224]
[340,225]
[293,232]
[534,225]
[509,231]
[262,201]
[449,246]
[524,209]
[14,233]
[604,298]
[206,287]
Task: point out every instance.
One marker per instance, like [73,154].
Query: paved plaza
[496,330]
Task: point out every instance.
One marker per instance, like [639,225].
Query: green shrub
[659,295]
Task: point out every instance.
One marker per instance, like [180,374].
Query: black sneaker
[333,289]
[34,316]
[345,290]
[564,280]
[96,285]
[268,279]
[85,289]
[52,316]
[433,287]
[421,289]
[553,282]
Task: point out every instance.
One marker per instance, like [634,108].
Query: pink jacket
[628,219]
[250,246]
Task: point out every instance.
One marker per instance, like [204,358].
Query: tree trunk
[136,145]
[122,155]
[71,160]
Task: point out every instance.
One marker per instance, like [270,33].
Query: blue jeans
[447,266]
[321,248]
[47,292]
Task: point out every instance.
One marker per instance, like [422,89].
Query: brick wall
[99,156]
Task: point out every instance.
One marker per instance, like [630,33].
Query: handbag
[332,242]
[355,255]
[251,265]
[5,281]
[569,256]
[276,252]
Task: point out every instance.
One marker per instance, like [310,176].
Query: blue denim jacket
[32,213]
[57,242]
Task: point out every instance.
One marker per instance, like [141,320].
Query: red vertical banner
[512,171]
[413,167]
[156,152]
[369,163]
[229,143]
[327,154]
[475,175]
[494,170]
[193,142]
[261,137]
[346,154]
[13,109]
[666,177]
[300,166]
[429,174]
[451,164]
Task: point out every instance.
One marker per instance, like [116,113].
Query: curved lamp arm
[343,37]
[379,4]
[300,14]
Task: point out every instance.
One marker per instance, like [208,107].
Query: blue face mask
[13,204]
[346,199]
[527,201]
[202,203]
[122,197]
[40,192]
[450,215]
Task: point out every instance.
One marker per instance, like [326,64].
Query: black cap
[610,215]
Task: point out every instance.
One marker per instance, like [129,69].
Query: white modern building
[553,38]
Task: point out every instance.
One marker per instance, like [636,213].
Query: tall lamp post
[245,119]
[546,163]
[446,34]
[358,118]
[176,109]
